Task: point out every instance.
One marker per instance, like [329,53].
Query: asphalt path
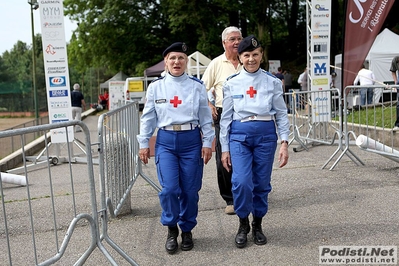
[309,207]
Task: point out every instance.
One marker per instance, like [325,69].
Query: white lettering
[360,9]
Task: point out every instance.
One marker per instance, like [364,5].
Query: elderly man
[214,77]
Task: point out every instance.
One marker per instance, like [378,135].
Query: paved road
[309,207]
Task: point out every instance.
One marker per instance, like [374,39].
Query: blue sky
[15,24]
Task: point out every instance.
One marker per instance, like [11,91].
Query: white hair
[76,86]
[229,30]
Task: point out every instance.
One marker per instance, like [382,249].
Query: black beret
[176,47]
[249,43]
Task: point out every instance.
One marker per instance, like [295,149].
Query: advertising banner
[320,60]
[363,21]
[116,94]
[56,67]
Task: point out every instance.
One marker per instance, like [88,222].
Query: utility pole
[33,6]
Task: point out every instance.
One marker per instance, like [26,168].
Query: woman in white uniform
[254,111]
[177,105]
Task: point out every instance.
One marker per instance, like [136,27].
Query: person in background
[303,80]
[365,77]
[78,104]
[394,70]
[333,76]
[177,105]
[219,69]
[280,75]
[254,112]
[287,80]
[103,99]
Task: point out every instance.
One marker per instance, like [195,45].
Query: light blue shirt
[174,100]
[267,99]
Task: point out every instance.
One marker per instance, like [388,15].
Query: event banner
[363,21]
[320,60]
[56,67]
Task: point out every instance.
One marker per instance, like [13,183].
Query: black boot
[186,241]
[243,230]
[171,242]
[257,234]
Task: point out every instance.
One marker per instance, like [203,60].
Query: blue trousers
[180,169]
[366,96]
[252,148]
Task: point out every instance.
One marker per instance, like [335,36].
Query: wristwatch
[284,141]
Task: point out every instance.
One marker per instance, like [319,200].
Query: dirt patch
[6,123]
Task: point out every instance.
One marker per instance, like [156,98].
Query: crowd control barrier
[52,217]
[370,125]
[119,161]
[327,117]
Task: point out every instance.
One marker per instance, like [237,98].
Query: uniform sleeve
[226,118]
[205,119]
[148,120]
[282,121]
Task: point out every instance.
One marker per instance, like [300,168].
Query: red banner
[364,19]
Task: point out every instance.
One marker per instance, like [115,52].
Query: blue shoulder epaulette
[161,77]
[268,73]
[196,79]
[232,76]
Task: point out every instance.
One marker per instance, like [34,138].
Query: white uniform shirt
[174,100]
[267,99]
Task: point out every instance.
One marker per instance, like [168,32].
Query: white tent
[385,47]
[197,63]
[383,50]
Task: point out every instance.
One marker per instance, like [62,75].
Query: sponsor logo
[320,47]
[56,61]
[321,99]
[320,57]
[57,131]
[320,81]
[50,2]
[319,25]
[52,24]
[321,15]
[52,35]
[51,12]
[60,116]
[59,104]
[320,8]
[58,93]
[52,50]
[57,81]
[56,70]
[320,114]
[59,120]
[372,16]
[320,36]
[320,69]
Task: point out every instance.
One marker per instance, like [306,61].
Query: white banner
[116,94]
[320,59]
[56,67]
